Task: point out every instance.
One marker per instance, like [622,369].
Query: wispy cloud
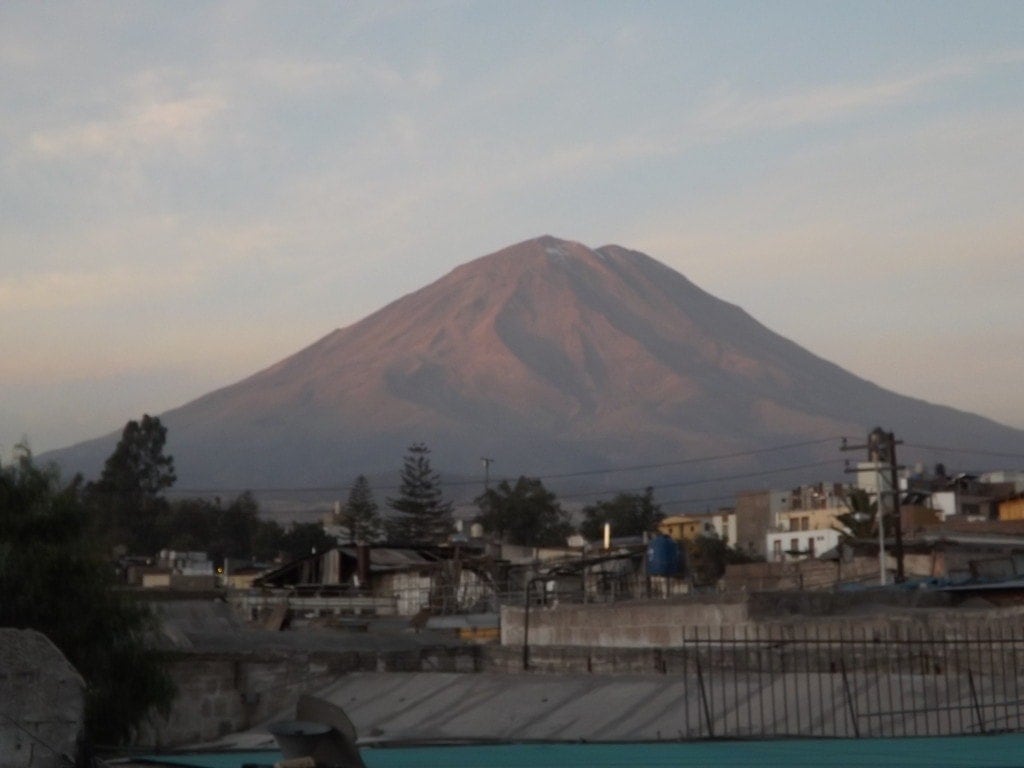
[729,110]
[182,124]
[725,114]
[348,74]
[77,288]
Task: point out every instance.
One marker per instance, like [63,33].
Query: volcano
[601,366]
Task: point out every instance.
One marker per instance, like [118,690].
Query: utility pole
[881,448]
[487,472]
[894,486]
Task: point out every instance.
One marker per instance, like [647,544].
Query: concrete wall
[634,624]
[799,575]
[42,700]
[668,623]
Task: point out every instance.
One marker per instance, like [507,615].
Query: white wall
[824,539]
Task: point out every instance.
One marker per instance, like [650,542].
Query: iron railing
[788,681]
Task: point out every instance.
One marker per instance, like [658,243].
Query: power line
[557,476]
[695,460]
[720,479]
[970,451]
[695,500]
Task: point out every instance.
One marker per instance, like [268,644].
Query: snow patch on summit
[557,250]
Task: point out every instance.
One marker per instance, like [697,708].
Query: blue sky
[191,191]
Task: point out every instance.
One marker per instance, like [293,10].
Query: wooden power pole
[881,448]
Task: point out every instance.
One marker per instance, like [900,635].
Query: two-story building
[804,533]
[720,525]
[770,524]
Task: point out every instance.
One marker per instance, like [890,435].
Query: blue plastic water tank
[662,556]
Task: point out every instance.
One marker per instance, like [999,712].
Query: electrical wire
[696,460]
[557,476]
[972,452]
[724,500]
[720,479]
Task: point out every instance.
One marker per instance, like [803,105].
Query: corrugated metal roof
[388,558]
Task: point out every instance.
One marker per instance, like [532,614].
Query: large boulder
[42,702]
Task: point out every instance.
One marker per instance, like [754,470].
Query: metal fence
[806,682]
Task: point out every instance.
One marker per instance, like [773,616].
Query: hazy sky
[191,191]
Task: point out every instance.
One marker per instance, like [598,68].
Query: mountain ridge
[551,357]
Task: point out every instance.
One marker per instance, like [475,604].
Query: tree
[302,539]
[629,514]
[526,513]
[422,516]
[190,524]
[359,515]
[127,497]
[234,531]
[138,466]
[859,522]
[56,580]
[235,528]
[267,544]
[707,557]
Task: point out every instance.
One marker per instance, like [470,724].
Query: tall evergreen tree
[359,515]
[423,517]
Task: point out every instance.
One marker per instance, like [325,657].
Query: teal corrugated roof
[998,751]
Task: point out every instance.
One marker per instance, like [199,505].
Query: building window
[810,547]
[777,549]
[794,546]
[805,523]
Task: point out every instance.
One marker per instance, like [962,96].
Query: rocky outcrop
[42,702]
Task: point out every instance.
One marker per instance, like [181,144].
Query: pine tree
[359,515]
[422,518]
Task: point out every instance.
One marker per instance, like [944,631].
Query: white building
[804,533]
[785,546]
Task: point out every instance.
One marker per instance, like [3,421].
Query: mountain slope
[552,358]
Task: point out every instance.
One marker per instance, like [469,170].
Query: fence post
[974,698]
[704,695]
[849,697]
